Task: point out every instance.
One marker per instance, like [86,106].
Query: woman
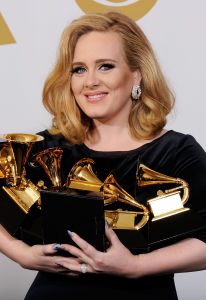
[109,101]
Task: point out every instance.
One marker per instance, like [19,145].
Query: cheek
[72,86]
[75,86]
[114,84]
[123,81]
[124,86]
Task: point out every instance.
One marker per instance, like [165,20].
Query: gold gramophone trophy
[82,177]
[141,227]
[123,212]
[83,202]
[79,212]
[50,161]
[168,202]
[169,219]
[17,194]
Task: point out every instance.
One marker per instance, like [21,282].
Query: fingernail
[106,224]
[70,233]
[57,247]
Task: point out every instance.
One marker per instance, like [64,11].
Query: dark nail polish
[57,247]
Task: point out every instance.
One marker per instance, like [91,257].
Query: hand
[44,258]
[117,260]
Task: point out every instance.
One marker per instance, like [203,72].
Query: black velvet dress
[174,154]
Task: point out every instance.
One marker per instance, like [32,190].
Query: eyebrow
[96,61]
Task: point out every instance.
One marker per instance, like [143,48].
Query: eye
[78,70]
[106,67]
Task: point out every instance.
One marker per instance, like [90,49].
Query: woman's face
[101,79]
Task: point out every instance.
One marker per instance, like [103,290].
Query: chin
[96,116]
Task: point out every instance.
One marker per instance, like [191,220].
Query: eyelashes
[107,66]
[80,69]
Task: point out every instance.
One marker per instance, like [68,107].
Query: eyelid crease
[98,61]
[108,66]
[76,68]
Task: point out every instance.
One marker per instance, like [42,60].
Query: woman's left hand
[117,260]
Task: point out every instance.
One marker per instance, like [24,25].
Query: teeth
[95,97]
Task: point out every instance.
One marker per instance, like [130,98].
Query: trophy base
[19,214]
[174,228]
[30,230]
[162,232]
[135,240]
[11,215]
[80,212]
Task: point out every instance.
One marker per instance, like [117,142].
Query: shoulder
[185,147]
[184,142]
[173,152]
[179,141]
[50,141]
[189,157]
[172,141]
[179,137]
[53,140]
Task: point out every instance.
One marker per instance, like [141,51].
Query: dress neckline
[123,152]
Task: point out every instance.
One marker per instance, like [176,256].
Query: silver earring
[136,92]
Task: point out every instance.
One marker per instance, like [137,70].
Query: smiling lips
[95,97]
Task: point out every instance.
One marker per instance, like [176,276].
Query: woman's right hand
[38,257]
[44,258]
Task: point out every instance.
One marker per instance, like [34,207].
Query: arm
[38,257]
[185,256]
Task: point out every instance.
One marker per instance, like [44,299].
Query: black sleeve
[190,165]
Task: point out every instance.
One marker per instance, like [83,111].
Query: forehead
[99,44]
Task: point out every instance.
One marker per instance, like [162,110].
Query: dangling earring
[136,92]
[54,123]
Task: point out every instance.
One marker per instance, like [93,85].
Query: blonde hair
[148,114]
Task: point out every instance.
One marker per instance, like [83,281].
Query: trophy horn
[82,176]
[169,201]
[50,161]
[5,158]
[113,192]
[147,177]
[20,146]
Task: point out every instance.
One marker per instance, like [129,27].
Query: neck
[115,138]
[106,137]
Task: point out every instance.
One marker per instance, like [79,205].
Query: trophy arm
[184,186]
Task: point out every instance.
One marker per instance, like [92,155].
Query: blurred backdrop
[29,37]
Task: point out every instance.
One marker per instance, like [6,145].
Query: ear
[137,77]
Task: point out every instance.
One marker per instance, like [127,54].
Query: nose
[91,79]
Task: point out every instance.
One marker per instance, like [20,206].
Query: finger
[46,250]
[69,267]
[51,248]
[78,253]
[64,269]
[111,236]
[77,268]
[87,248]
